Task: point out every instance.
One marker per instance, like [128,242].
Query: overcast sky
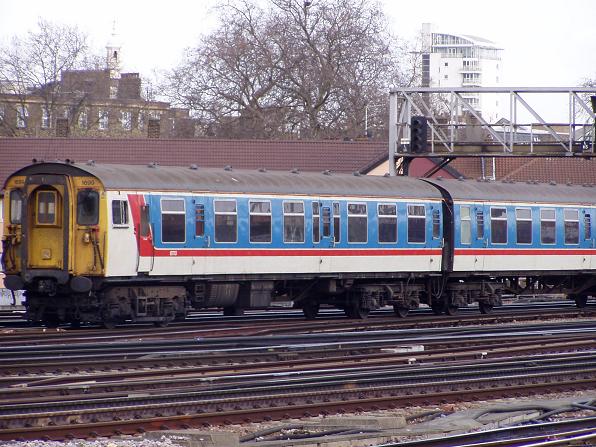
[546,42]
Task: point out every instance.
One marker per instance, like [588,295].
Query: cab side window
[16,207]
[87,207]
[119,212]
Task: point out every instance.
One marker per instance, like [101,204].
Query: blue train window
[173,220]
[523,224]
[293,222]
[199,220]
[465,225]
[436,224]
[416,223]
[387,222]
[226,220]
[548,227]
[479,224]
[326,221]
[336,222]
[316,222]
[571,219]
[357,222]
[498,225]
[587,226]
[16,206]
[260,221]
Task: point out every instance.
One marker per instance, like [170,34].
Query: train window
[173,220]
[119,212]
[87,207]
[293,222]
[548,226]
[357,222]
[336,222]
[571,219]
[260,221]
[587,226]
[416,223]
[387,222]
[316,222]
[199,220]
[46,207]
[465,225]
[145,229]
[436,224]
[16,207]
[326,221]
[523,225]
[226,220]
[480,224]
[498,225]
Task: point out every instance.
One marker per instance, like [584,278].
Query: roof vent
[357,174]
[552,182]
[568,183]
[461,178]
[262,170]
[153,164]
[90,162]
[386,174]
[326,172]
[194,167]
[295,171]
[440,178]
[227,168]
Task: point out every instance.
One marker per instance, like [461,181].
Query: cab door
[47,220]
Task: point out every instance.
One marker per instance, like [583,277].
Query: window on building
[523,225]
[571,218]
[498,225]
[465,225]
[46,121]
[387,222]
[587,226]
[113,91]
[126,120]
[336,222]
[1,114]
[103,119]
[446,64]
[83,121]
[357,222]
[480,224]
[141,120]
[199,220]
[119,212]
[226,220]
[87,207]
[293,222]
[316,222]
[173,220]
[416,223]
[16,206]
[22,116]
[548,228]
[260,221]
[46,207]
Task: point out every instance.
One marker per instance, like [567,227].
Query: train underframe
[161,300]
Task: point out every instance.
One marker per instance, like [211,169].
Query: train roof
[176,178]
[532,192]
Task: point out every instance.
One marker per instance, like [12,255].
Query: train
[108,243]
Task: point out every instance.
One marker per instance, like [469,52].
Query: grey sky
[546,43]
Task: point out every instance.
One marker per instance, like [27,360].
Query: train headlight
[86,238]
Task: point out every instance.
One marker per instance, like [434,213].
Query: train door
[329,232]
[480,235]
[200,238]
[144,231]
[589,239]
[47,221]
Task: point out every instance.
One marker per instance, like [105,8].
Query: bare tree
[32,66]
[290,67]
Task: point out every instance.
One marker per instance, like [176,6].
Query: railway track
[134,386]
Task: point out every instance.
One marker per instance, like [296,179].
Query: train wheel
[161,323]
[311,310]
[109,324]
[401,312]
[581,301]
[437,308]
[451,309]
[359,313]
[233,311]
[485,308]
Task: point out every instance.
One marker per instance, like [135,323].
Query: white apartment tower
[457,60]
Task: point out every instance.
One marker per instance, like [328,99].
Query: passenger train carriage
[108,243]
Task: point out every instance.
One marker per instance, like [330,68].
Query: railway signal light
[418,134]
